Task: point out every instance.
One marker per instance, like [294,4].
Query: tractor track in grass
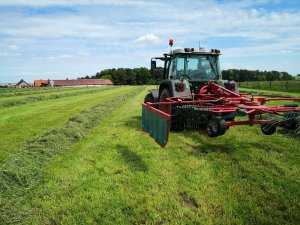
[23,171]
[32,99]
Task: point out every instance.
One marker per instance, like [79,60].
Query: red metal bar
[159,112]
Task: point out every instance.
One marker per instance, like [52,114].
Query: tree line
[243,75]
[142,75]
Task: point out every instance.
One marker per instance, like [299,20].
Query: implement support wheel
[216,127]
[268,128]
[292,124]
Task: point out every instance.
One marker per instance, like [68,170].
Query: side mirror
[153,64]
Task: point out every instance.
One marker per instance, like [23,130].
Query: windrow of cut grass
[26,90]
[21,123]
[23,172]
[34,91]
[118,175]
[41,97]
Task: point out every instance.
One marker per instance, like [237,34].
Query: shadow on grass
[134,162]
[204,145]
[295,134]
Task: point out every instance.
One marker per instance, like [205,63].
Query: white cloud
[86,35]
[13,47]
[148,39]
[54,58]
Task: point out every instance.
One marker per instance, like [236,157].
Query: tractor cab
[194,65]
[186,71]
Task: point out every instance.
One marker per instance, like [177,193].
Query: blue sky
[58,39]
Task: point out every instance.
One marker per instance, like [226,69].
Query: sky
[59,39]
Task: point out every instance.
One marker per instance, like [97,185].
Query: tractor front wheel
[216,127]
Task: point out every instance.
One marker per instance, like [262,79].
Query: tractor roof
[196,51]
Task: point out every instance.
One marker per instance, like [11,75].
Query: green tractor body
[186,71]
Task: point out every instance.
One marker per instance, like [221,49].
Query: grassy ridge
[17,100]
[20,123]
[33,91]
[118,175]
[23,171]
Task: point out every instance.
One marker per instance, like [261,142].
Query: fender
[155,94]
[167,84]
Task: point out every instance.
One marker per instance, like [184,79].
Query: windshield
[198,67]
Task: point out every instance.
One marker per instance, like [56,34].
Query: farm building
[40,83]
[22,84]
[72,83]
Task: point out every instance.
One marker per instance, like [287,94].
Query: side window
[172,68]
[179,67]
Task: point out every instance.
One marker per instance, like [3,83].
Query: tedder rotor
[192,95]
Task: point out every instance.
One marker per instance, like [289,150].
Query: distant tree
[157,75]
[242,75]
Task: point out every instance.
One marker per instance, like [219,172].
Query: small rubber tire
[216,127]
[268,129]
[292,124]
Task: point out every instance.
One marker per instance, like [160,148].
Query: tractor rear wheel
[165,93]
[216,127]
[268,128]
[176,120]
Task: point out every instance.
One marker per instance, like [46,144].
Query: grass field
[287,86]
[83,159]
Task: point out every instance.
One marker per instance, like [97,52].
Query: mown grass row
[20,90]
[21,123]
[31,99]
[34,91]
[118,175]
[22,172]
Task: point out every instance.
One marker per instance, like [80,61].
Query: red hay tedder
[192,95]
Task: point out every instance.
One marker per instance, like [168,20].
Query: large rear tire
[176,120]
[165,93]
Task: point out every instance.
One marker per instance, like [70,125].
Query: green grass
[115,174]
[18,100]
[20,123]
[279,93]
[286,86]
[32,91]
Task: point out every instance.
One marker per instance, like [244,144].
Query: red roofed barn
[70,83]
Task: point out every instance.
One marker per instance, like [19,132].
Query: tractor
[193,95]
